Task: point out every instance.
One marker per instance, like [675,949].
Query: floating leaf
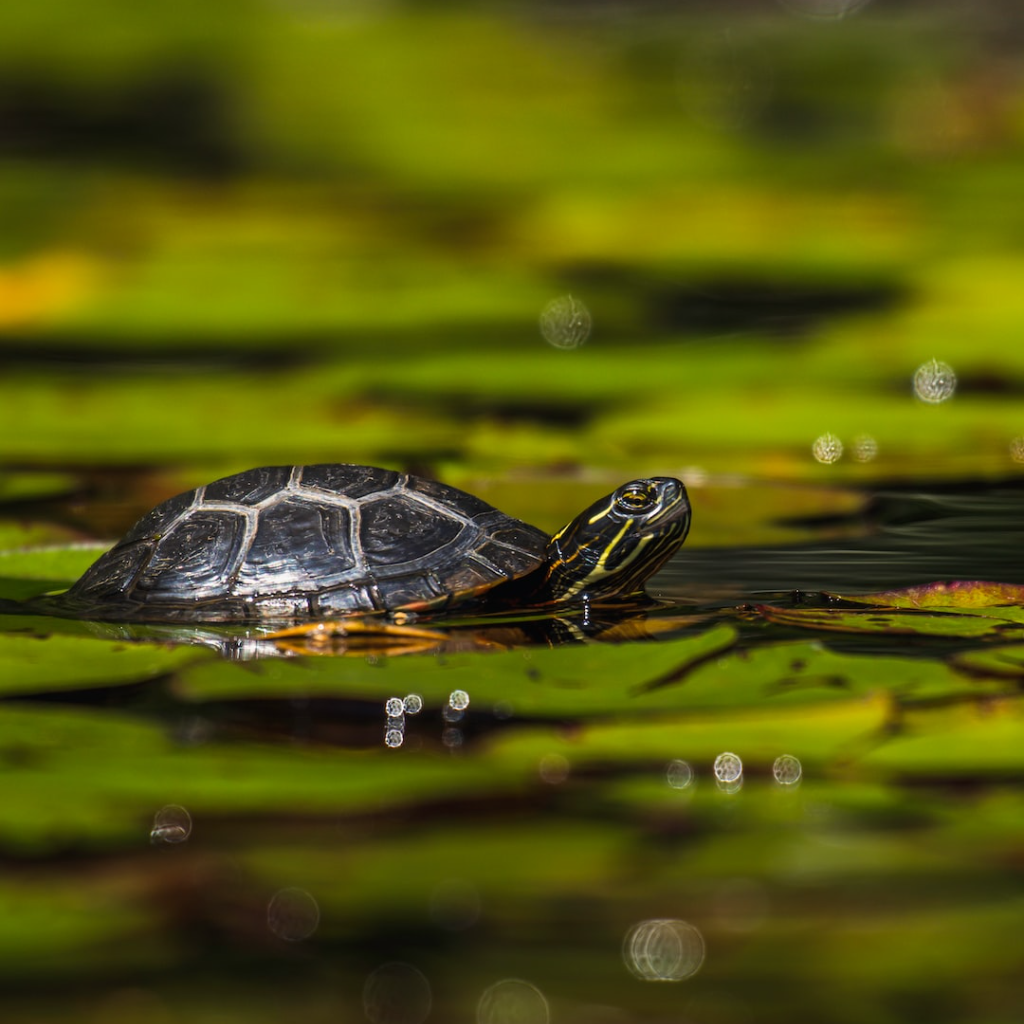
[906,622]
[960,594]
[40,664]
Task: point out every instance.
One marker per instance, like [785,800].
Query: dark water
[907,536]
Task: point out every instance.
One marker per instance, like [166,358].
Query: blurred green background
[252,232]
[533,249]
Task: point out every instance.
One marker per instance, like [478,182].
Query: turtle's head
[609,551]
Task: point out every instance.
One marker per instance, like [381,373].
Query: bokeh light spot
[171,824]
[679,774]
[397,993]
[553,769]
[787,770]
[513,1001]
[565,322]
[827,448]
[728,768]
[292,914]
[865,448]
[934,382]
[663,949]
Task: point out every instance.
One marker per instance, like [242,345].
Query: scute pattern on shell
[301,542]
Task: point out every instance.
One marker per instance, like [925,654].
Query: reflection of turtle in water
[300,543]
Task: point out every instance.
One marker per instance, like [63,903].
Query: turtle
[294,544]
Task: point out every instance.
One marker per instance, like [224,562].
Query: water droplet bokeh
[934,382]
[513,1001]
[663,949]
[459,700]
[171,824]
[728,768]
[553,769]
[293,914]
[397,993]
[865,448]
[679,774]
[787,770]
[565,322]
[827,448]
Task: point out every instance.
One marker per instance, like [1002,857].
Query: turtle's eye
[635,499]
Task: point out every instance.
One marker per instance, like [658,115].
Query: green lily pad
[576,681]
[75,779]
[992,662]
[40,664]
[907,622]
[34,486]
[32,571]
[817,734]
[56,924]
[621,681]
[995,599]
[969,741]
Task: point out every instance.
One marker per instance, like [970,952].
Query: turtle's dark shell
[301,542]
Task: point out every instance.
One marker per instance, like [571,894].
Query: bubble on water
[459,700]
[413,704]
[293,914]
[827,448]
[1017,449]
[663,949]
[513,1001]
[787,770]
[728,768]
[394,737]
[452,738]
[455,904]
[553,769]
[394,707]
[934,382]
[865,448]
[397,993]
[565,322]
[450,714]
[679,774]
[171,824]
[823,10]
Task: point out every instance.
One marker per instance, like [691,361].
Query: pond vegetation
[531,250]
